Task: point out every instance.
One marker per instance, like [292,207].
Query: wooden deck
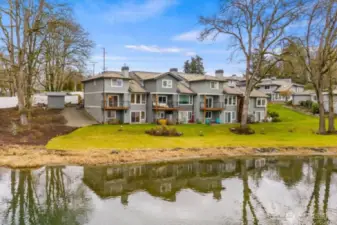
[159,108]
[116,107]
[211,109]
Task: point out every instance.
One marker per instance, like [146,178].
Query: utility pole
[104,59]
[93,68]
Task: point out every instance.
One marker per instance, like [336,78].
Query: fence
[10,102]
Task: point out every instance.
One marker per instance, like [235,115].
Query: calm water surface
[222,191]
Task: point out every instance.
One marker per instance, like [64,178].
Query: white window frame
[140,116]
[265,87]
[190,100]
[232,116]
[260,105]
[183,113]
[168,82]
[216,86]
[261,113]
[112,117]
[233,100]
[209,97]
[211,115]
[112,82]
[142,101]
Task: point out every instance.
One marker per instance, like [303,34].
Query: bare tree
[23,17]
[256,28]
[319,44]
[65,51]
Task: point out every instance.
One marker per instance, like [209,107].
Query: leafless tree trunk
[331,128]
[256,28]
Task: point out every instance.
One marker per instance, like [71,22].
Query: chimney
[174,70]
[219,73]
[125,71]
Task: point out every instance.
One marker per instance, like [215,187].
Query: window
[261,102]
[185,99]
[117,83]
[113,100]
[185,116]
[138,99]
[161,115]
[112,114]
[190,115]
[314,98]
[214,85]
[162,99]
[167,83]
[230,100]
[267,87]
[230,117]
[208,115]
[137,116]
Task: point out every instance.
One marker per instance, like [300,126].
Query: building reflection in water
[165,180]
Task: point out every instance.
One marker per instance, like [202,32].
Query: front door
[209,102]
[228,118]
[113,101]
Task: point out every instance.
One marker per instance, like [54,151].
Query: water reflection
[234,191]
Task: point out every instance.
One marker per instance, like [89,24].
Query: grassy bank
[296,129]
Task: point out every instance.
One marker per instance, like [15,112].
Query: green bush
[308,104]
[315,108]
[114,121]
[274,116]
[164,131]
[289,103]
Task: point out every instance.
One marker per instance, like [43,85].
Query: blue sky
[152,35]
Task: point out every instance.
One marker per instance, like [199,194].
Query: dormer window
[214,85]
[117,83]
[167,83]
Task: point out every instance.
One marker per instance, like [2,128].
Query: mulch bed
[43,126]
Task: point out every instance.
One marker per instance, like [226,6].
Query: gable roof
[254,94]
[107,74]
[232,90]
[135,87]
[182,88]
[154,75]
[198,77]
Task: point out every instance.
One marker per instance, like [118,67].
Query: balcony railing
[169,105]
[117,105]
[212,106]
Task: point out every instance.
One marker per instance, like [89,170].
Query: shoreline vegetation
[114,144]
[18,156]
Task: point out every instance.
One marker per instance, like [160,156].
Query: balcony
[116,105]
[212,106]
[168,106]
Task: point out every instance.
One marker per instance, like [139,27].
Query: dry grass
[35,156]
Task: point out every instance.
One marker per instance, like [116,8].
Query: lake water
[269,190]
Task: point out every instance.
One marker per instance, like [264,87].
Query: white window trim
[190,100]
[255,115]
[231,116]
[234,103]
[188,114]
[169,83]
[210,113]
[265,101]
[140,116]
[141,99]
[216,86]
[159,115]
[116,85]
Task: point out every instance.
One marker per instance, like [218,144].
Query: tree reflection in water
[45,197]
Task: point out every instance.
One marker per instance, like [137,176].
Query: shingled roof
[136,87]
[107,74]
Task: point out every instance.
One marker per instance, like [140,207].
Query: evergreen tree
[196,65]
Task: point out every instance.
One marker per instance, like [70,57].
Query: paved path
[77,117]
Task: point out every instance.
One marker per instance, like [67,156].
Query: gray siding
[93,99]
[299,98]
[159,86]
[205,87]
[253,108]
[96,113]
[271,89]
[91,86]
[150,85]
[109,88]
[56,102]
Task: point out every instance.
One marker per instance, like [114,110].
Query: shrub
[289,103]
[163,131]
[308,104]
[315,108]
[171,122]
[199,121]
[250,119]
[114,121]
[162,122]
[302,103]
[275,117]
[240,130]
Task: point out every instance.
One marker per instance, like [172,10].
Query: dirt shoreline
[18,156]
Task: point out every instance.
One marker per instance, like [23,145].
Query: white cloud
[153,48]
[187,36]
[193,36]
[190,53]
[132,11]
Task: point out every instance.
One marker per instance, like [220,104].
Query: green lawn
[133,136]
